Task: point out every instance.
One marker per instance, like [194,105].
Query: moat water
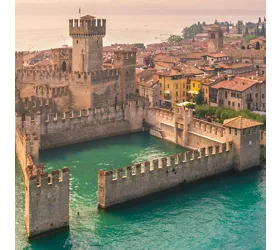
[223,212]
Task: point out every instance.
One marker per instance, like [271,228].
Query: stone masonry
[236,144]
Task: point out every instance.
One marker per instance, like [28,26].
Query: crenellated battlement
[160,174]
[166,163]
[87,115]
[210,129]
[63,77]
[41,179]
[50,90]
[162,113]
[19,55]
[124,57]
[87,27]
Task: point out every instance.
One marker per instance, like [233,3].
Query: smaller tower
[245,135]
[126,61]
[215,38]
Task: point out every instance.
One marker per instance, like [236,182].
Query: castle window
[235,130]
[256,95]
[233,104]
[168,86]
[229,131]
[77,41]
[244,131]
[238,105]
[97,41]
[193,84]
[228,103]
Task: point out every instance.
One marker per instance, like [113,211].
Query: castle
[78,100]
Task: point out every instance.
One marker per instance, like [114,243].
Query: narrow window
[235,131]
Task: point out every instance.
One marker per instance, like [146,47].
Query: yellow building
[194,87]
[173,87]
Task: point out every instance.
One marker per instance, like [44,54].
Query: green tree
[174,39]
[190,32]
[199,98]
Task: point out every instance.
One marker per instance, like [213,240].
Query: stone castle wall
[58,129]
[161,174]
[46,195]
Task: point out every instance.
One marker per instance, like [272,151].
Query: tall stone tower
[215,38]
[87,34]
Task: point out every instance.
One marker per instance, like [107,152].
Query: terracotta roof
[217,55]
[166,59]
[237,84]
[171,72]
[241,123]
[45,62]
[151,81]
[188,69]
[162,65]
[234,65]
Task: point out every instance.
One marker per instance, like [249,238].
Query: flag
[79,10]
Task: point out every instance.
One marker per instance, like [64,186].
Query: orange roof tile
[238,84]
[217,55]
[171,72]
[241,123]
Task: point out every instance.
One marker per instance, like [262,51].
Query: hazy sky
[142,7]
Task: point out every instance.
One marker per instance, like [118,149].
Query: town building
[239,93]
[149,88]
[173,87]
[236,68]
[216,57]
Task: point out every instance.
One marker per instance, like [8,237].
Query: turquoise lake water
[223,212]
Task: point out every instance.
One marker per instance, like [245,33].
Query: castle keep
[77,100]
